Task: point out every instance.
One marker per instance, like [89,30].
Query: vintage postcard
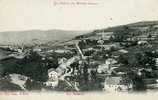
[78,49]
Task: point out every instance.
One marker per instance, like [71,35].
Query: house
[110,61]
[37,49]
[103,68]
[62,51]
[18,79]
[151,83]
[142,42]
[117,83]
[123,51]
[106,68]
[52,78]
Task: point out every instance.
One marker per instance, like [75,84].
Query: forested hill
[143,26]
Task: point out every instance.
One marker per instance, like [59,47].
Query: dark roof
[117,80]
[150,81]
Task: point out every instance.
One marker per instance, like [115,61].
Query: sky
[18,15]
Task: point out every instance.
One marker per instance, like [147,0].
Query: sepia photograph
[79,48]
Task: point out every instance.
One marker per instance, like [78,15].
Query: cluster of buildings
[87,64]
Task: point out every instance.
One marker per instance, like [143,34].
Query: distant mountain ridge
[41,36]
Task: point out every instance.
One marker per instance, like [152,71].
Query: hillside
[127,52]
[140,24]
[135,27]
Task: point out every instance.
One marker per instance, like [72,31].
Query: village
[117,59]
